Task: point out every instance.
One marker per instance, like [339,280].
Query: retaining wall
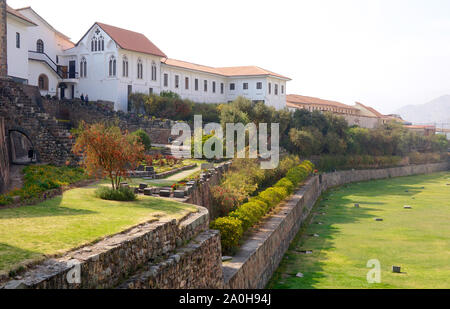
[4,159]
[109,262]
[260,255]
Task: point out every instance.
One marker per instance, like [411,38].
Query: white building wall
[200,95]
[37,68]
[17,57]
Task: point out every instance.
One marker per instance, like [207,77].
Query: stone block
[165,193]
[143,186]
[148,191]
[179,194]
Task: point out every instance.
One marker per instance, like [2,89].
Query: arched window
[125,66]
[140,69]
[153,71]
[112,66]
[101,44]
[43,82]
[40,46]
[83,68]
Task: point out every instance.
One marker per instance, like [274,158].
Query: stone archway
[21,147]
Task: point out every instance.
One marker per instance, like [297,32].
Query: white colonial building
[110,63]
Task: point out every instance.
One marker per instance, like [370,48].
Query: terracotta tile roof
[16,13]
[191,66]
[427,127]
[372,110]
[227,71]
[131,40]
[248,71]
[295,99]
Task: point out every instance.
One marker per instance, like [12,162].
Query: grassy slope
[416,239]
[71,220]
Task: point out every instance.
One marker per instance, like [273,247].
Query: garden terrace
[78,217]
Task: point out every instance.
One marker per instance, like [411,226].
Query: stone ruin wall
[75,111]
[4,159]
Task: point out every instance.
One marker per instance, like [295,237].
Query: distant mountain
[436,111]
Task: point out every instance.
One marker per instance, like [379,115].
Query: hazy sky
[383,53]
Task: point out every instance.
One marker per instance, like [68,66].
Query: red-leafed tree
[107,151]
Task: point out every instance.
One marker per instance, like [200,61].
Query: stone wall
[4,159]
[260,255]
[75,111]
[107,263]
[195,266]
[201,194]
[50,139]
[3,40]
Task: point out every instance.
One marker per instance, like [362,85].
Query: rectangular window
[245,86]
[282,89]
[57,59]
[17,39]
[259,86]
[222,88]
[276,89]
[166,80]
[205,87]
[196,84]
[177,81]
[150,91]
[270,88]
[232,86]
[186,83]
[214,87]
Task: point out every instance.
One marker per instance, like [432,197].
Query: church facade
[110,63]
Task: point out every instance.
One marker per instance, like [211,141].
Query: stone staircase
[20,105]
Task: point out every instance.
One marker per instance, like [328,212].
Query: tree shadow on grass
[43,210]
[10,256]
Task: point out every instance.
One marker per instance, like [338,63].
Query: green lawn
[418,239]
[69,221]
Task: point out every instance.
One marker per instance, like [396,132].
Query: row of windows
[125,68]
[245,86]
[196,84]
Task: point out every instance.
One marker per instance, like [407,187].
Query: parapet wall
[260,255]
[111,261]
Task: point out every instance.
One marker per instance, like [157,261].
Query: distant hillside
[436,111]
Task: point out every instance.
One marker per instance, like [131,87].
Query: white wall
[17,57]
[37,68]
[198,96]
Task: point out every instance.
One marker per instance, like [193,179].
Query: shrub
[249,214]
[143,138]
[121,194]
[225,199]
[231,232]
[287,184]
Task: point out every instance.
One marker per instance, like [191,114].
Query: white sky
[383,53]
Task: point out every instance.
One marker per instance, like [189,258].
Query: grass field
[416,239]
[69,221]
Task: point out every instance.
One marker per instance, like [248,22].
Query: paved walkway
[184,174]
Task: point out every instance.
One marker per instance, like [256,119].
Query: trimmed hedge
[231,231]
[249,214]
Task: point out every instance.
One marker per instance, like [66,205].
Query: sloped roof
[227,71]
[191,66]
[372,110]
[248,71]
[295,99]
[17,14]
[131,40]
